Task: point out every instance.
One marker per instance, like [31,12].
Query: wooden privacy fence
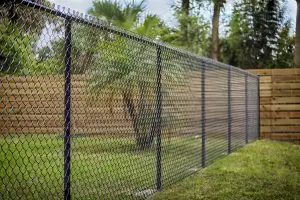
[280,103]
[36,105]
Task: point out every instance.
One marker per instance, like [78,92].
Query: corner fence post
[229,109]
[258,106]
[246,109]
[67,111]
[158,118]
[203,136]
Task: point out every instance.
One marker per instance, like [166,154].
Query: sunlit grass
[101,167]
[262,170]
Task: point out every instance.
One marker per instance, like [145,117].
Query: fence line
[36,106]
[109,114]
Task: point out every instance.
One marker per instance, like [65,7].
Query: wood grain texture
[280,103]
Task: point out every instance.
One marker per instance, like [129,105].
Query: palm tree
[128,67]
[114,13]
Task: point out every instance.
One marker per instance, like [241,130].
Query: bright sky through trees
[163,8]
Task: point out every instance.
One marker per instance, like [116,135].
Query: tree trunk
[297,39]
[132,113]
[185,6]
[215,31]
[146,121]
[142,122]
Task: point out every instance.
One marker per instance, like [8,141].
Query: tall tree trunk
[215,30]
[185,6]
[297,39]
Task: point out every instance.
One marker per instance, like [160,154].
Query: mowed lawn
[107,168]
[265,170]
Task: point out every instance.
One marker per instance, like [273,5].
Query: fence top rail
[95,22]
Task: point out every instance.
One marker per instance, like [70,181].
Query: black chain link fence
[89,111]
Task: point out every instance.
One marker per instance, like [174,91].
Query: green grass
[32,166]
[101,167]
[264,170]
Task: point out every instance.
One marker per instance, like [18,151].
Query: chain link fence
[89,111]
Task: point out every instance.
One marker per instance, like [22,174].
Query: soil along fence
[280,103]
[108,114]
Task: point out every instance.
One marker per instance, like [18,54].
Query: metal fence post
[246,109]
[158,118]
[258,106]
[203,149]
[229,109]
[67,111]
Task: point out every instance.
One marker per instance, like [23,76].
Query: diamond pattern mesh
[89,111]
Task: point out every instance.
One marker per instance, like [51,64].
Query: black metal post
[67,111]
[203,149]
[158,119]
[229,110]
[246,109]
[258,106]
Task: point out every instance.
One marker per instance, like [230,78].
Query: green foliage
[31,21]
[258,36]
[84,49]
[285,51]
[20,29]
[124,66]
[153,27]
[255,35]
[117,14]
[15,49]
[16,55]
[116,70]
[192,34]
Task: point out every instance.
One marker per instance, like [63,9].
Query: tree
[254,34]
[192,34]
[185,10]
[20,29]
[185,7]
[218,4]
[116,14]
[285,47]
[297,39]
[15,47]
[128,67]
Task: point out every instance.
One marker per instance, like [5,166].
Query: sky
[163,8]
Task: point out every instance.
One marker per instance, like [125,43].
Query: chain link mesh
[89,111]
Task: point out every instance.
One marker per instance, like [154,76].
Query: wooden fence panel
[35,105]
[280,103]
